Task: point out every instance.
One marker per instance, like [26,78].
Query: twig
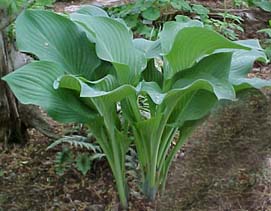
[7,21]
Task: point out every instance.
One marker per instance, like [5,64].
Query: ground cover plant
[92,71]
[146,18]
[267,42]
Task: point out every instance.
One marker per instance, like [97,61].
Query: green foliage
[77,142]
[145,17]
[240,3]
[63,161]
[126,89]
[263,4]
[14,6]
[229,26]
[267,42]
[66,158]
[83,163]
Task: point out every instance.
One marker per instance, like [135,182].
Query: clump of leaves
[228,26]
[93,70]
[267,42]
[146,17]
[14,6]
[263,4]
[82,161]
[240,3]
[77,142]
[63,161]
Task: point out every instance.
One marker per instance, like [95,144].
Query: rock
[95,207]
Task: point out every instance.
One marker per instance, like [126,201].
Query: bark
[15,118]
[11,127]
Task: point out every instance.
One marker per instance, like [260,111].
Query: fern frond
[76,141]
[63,161]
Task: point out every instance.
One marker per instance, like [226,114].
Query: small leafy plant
[267,42]
[63,161]
[263,4]
[228,26]
[145,17]
[66,159]
[92,71]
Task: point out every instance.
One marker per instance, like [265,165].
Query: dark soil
[226,164]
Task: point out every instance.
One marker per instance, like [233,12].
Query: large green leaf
[191,44]
[152,73]
[210,74]
[114,43]
[263,4]
[192,106]
[102,89]
[55,38]
[151,49]
[213,69]
[152,13]
[92,11]
[171,29]
[33,84]
[242,64]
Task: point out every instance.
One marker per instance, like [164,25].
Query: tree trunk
[11,127]
[15,118]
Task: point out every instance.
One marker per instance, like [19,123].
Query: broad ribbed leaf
[55,38]
[33,84]
[151,49]
[214,70]
[151,13]
[191,44]
[88,89]
[171,29]
[192,106]
[242,64]
[152,73]
[114,43]
[210,74]
[92,11]
[148,130]
[83,163]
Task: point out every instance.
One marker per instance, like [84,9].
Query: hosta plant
[91,70]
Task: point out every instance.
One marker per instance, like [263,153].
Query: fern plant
[82,161]
[63,161]
[77,142]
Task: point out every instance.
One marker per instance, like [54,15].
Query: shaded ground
[226,165]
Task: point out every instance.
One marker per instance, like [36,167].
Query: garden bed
[226,164]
